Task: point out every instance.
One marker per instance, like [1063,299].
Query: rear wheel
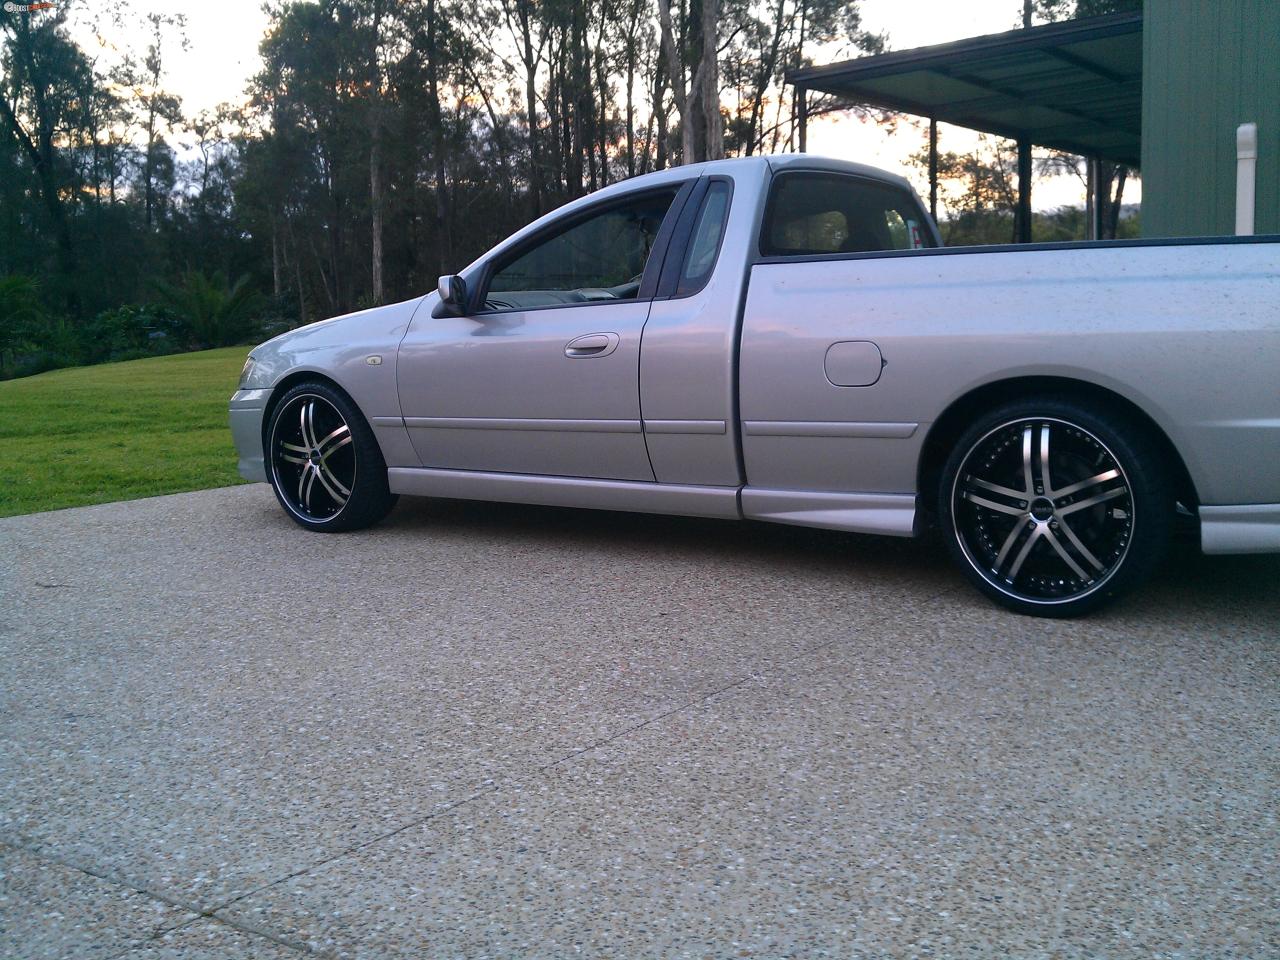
[325,465]
[1054,507]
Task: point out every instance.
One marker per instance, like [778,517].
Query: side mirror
[453,296]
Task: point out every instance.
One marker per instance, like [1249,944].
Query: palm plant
[210,311]
[21,316]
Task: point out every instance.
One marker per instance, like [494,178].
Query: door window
[708,230]
[819,213]
[599,259]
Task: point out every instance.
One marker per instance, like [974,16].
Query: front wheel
[324,462]
[1054,507]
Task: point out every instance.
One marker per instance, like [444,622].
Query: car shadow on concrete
[1189,584]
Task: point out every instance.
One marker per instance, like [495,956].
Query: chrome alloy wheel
[312,458]
[1042,510]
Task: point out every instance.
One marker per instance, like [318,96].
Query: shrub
[129,332]
[209,311]
[33,340]
[21,318]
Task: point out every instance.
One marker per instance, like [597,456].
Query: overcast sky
[224,38]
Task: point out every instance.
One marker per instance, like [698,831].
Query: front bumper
[1240,528]
[247,409]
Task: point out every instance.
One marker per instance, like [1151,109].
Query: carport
[1074,86]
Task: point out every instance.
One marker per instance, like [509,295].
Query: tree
[161,111]
[375,130]
[981,193]
[766,40]
[44,77]
[1054,11]
[1111,176]
[702,134]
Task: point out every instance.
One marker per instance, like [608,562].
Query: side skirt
[629,495]
[888,514]
[1242,528]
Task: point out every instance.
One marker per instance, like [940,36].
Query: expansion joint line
[198,912]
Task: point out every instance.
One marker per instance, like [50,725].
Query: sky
[223,41]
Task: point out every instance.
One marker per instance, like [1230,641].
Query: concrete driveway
[499,731]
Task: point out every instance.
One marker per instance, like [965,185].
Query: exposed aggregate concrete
[498,731]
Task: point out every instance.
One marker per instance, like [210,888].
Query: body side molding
[514,423]
[716,427]
[820,428]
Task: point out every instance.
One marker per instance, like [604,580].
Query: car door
[541,376]
[825,387]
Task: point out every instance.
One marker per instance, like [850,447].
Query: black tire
[1060,544]
[323,461]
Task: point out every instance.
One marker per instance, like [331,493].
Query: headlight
[247,370]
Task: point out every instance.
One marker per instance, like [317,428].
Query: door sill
[627,495]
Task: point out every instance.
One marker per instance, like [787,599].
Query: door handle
[591,345]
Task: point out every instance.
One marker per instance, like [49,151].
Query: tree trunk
[701,128]
[275,259]
[1110,215]
[632,40]
[531,108]
[375,159]
[149,163]
[660,113]
[767,68]
[375,203]
[602,119]
[302,300]
[709,71]
[675,75]
[580,107]
[437,123]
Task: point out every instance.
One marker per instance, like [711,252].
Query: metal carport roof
[1074,86]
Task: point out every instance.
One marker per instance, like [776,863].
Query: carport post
[1091,198]
[802,114]
[1022,220]
[933,169]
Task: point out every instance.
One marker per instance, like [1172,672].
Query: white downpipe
[1246,176]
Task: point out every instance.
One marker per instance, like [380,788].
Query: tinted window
[707,231]
[815,213]
[600,258]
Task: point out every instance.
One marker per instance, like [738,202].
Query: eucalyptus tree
[691,49]
[161,111]
[45,76]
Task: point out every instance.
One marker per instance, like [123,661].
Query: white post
[1246,174]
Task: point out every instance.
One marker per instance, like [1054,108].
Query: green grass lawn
[117,431]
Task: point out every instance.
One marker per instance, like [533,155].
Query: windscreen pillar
[1022,219]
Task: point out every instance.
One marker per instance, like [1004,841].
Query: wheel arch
[955,419]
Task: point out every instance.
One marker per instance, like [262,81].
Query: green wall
[1208,66]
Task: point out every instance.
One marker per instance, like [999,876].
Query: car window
[816,213]
[707,231]
[600,258]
